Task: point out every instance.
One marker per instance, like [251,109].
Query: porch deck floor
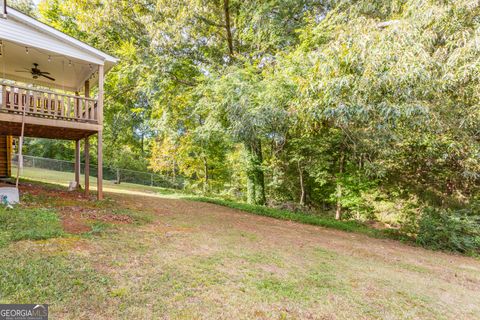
[43,127]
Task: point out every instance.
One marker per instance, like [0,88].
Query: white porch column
[87,148]
[87,165]
[100,133]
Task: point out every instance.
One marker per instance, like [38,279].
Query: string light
[52,56]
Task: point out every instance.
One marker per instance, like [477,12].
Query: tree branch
[226,9]
[181,81]
[210,22]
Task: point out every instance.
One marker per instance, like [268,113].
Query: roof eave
[17,15]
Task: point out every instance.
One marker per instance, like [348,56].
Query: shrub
[454,230]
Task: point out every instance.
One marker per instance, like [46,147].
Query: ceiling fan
[36,72]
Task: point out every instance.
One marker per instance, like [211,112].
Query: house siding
[25,35]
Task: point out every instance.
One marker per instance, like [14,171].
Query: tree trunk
[118,177]
[228,27]
[174,173]
[302,185]
[205,172]
[255,176]
[338,211]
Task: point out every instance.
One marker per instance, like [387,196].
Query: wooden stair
[5,156]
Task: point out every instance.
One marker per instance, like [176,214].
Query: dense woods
[363,110]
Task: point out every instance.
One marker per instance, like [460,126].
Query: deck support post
[100,133]
[77,163]
[87,165]
[86,147]
[100,165]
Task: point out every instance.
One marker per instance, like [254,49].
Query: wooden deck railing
[47,104]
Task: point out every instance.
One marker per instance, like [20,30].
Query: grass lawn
[64,178]
[148,254]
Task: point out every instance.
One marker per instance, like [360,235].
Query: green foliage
[454,230]
[25,6]
[23,223]
[354,187]
[385,86]
[369,108]
[53,149]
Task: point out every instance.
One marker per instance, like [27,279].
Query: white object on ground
[9,196]
[72,186]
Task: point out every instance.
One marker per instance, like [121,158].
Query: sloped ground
[151,257]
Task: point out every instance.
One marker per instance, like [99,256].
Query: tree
[329,104]
[25,6]
[164,157]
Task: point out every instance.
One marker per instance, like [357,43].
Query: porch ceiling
[69,74]
[71,61]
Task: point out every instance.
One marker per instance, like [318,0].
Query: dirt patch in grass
[161,227]
[75,225]
[52,191]
[78,212]
[76,219]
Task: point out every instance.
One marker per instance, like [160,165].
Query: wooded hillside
[359,109]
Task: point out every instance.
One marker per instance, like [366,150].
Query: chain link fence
[116,175]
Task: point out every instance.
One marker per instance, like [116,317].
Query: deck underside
[11,125]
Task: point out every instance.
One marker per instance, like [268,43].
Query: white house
[46,80]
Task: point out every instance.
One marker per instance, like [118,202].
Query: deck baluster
[4,97]
[49,104]
[69,112]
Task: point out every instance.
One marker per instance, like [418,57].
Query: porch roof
[26,41]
